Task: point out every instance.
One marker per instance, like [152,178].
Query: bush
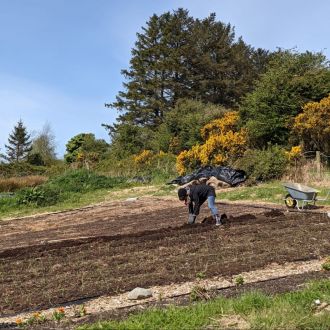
[159,166]
[83,181]
[263,165]
[39,196]
[326,264]
[58,168]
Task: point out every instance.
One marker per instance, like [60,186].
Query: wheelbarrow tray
[301,192]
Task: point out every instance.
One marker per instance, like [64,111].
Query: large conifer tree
[19,144]
[177,56]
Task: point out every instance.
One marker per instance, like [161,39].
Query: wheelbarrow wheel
[290,202]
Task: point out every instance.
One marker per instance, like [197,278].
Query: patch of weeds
[326,264]
[58,314]
[81,311]
[199,293]
[239,280]
[38,196]
[36,318]
[200,275]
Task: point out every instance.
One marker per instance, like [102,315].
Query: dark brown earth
[53,259]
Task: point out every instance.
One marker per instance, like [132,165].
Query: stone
[139,293]
[131,199]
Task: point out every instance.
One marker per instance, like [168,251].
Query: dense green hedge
[263,165]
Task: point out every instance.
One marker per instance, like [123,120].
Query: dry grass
[16,183]
[308,173]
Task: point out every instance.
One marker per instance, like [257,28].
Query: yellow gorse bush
[313,124]
[220,126]
[295,153]
[143,158]
[222,142]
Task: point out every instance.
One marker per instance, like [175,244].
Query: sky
[60,60]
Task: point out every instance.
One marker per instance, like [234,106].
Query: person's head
[182,194]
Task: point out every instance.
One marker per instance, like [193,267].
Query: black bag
[223,173]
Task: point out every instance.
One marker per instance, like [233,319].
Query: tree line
[185,72]
[197,93]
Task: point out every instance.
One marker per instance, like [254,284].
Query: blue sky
[60,60]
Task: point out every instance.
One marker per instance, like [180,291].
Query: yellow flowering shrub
[295,153]
[143,158]
[221,126]
[222,143]
[188,159]
[313,124]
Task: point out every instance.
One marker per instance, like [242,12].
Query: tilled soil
[53,259]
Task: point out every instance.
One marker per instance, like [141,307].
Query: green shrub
[160,168]
[263,165]
[58,168]
[38,196]
[326,264]
[83,181]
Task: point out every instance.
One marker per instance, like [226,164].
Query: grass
[272,192]
[14,183]
[9,208]
[293,310]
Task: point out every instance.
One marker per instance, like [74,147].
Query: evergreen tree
[157,76]
[19,144]
[176,57]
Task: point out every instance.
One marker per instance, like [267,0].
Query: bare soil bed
[53,259]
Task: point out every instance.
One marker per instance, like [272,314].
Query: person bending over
[195,196]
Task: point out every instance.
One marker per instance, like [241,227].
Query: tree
[181,127]
[19,144]
[127,139]
[43,147]
[84,148]
[176,57]
[313,125]
[157,76]
[291,80]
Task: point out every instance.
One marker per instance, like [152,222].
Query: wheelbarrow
[300,196]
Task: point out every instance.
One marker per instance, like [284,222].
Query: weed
[80,311]
[199,293]
[326,264]
[36,318]
[58,314]
[200,275]
[239,280]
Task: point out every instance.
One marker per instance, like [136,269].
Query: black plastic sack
[222,173]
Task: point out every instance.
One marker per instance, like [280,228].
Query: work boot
[191,219]
[218,221]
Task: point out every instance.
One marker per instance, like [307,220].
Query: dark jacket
[198,195]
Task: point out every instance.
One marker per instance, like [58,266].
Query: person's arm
[191,207]
[197,205]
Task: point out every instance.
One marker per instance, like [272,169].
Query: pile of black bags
[223,173]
